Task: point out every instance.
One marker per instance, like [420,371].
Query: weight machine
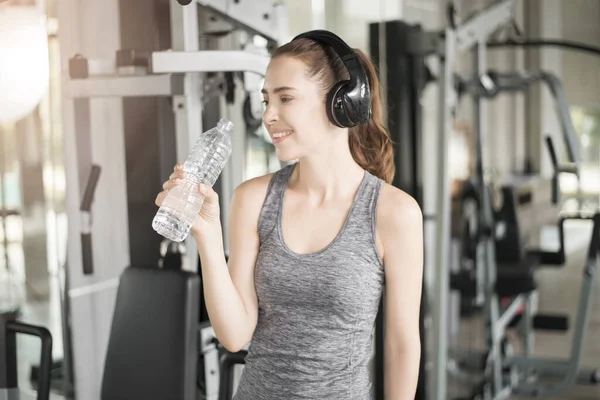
[134,105]
[407,47]
[510,273]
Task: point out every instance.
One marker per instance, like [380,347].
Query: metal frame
[515,81]
[173,62]
[479,27]
[442,223]
[472,35]
[173,74]
[9,327]
[125,86]
[406,47]
[416,44]
[526,372]
[407,59]
[213,354]
[496,384]
[261,17]
[568,370]
[210,353]
[447,45]
[100,77]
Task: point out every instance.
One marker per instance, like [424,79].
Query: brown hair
[370,143]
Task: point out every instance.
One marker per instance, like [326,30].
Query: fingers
[175,178]
[210,196]
[177,173]
[160,198]
[171,183]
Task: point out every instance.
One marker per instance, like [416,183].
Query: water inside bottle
[208,161]
[179,210]
[204,165]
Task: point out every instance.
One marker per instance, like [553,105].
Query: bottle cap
[225,125]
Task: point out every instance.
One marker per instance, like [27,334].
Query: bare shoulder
[396,205]
[254,186]
[249,196]
[399,217]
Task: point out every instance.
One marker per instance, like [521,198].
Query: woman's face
[295,115]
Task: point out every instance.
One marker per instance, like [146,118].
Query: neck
[328,174]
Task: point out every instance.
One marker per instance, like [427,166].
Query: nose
[270,115]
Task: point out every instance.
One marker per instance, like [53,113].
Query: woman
[312,244]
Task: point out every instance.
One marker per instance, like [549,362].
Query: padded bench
[153,344]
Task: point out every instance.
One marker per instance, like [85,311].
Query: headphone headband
[348,102]
[332,40]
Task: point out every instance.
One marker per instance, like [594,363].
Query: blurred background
[55,124]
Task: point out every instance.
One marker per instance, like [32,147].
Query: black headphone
[348,102]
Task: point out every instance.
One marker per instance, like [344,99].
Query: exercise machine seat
[512,278]
[515,281]
[153,344]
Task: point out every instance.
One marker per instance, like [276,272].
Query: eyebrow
[278,89]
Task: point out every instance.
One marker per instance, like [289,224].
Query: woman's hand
[209,216]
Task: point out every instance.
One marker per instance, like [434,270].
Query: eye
[265,102]
[286,99]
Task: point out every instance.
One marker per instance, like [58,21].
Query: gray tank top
[316,312]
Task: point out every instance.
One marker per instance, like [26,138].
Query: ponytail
[370,143]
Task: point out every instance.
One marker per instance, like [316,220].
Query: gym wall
[581,71]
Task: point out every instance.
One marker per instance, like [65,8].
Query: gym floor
[559,293]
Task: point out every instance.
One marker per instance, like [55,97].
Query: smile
[278,135]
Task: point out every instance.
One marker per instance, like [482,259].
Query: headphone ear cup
[336,110]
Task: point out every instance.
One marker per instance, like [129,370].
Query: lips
[281,134]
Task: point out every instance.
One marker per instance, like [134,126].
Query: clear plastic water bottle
[180,208]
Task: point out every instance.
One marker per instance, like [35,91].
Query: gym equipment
[228,361]
[134,103]
[558,169]
[9,327]
[154,336]
[529,202]
[171,254]
[348,102]
[525,375]
[526,209]
[216,378]
[564,44]
[62,377]
[515,281]
[504,375]
[406,49]
[261,17]
[495,83]
[194,365]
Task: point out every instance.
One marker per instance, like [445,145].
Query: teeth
[282,134]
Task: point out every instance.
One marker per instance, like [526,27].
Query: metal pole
[486,248]
[187,107]
[442,241]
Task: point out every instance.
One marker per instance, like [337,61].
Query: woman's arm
[400,232]
[229,292]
